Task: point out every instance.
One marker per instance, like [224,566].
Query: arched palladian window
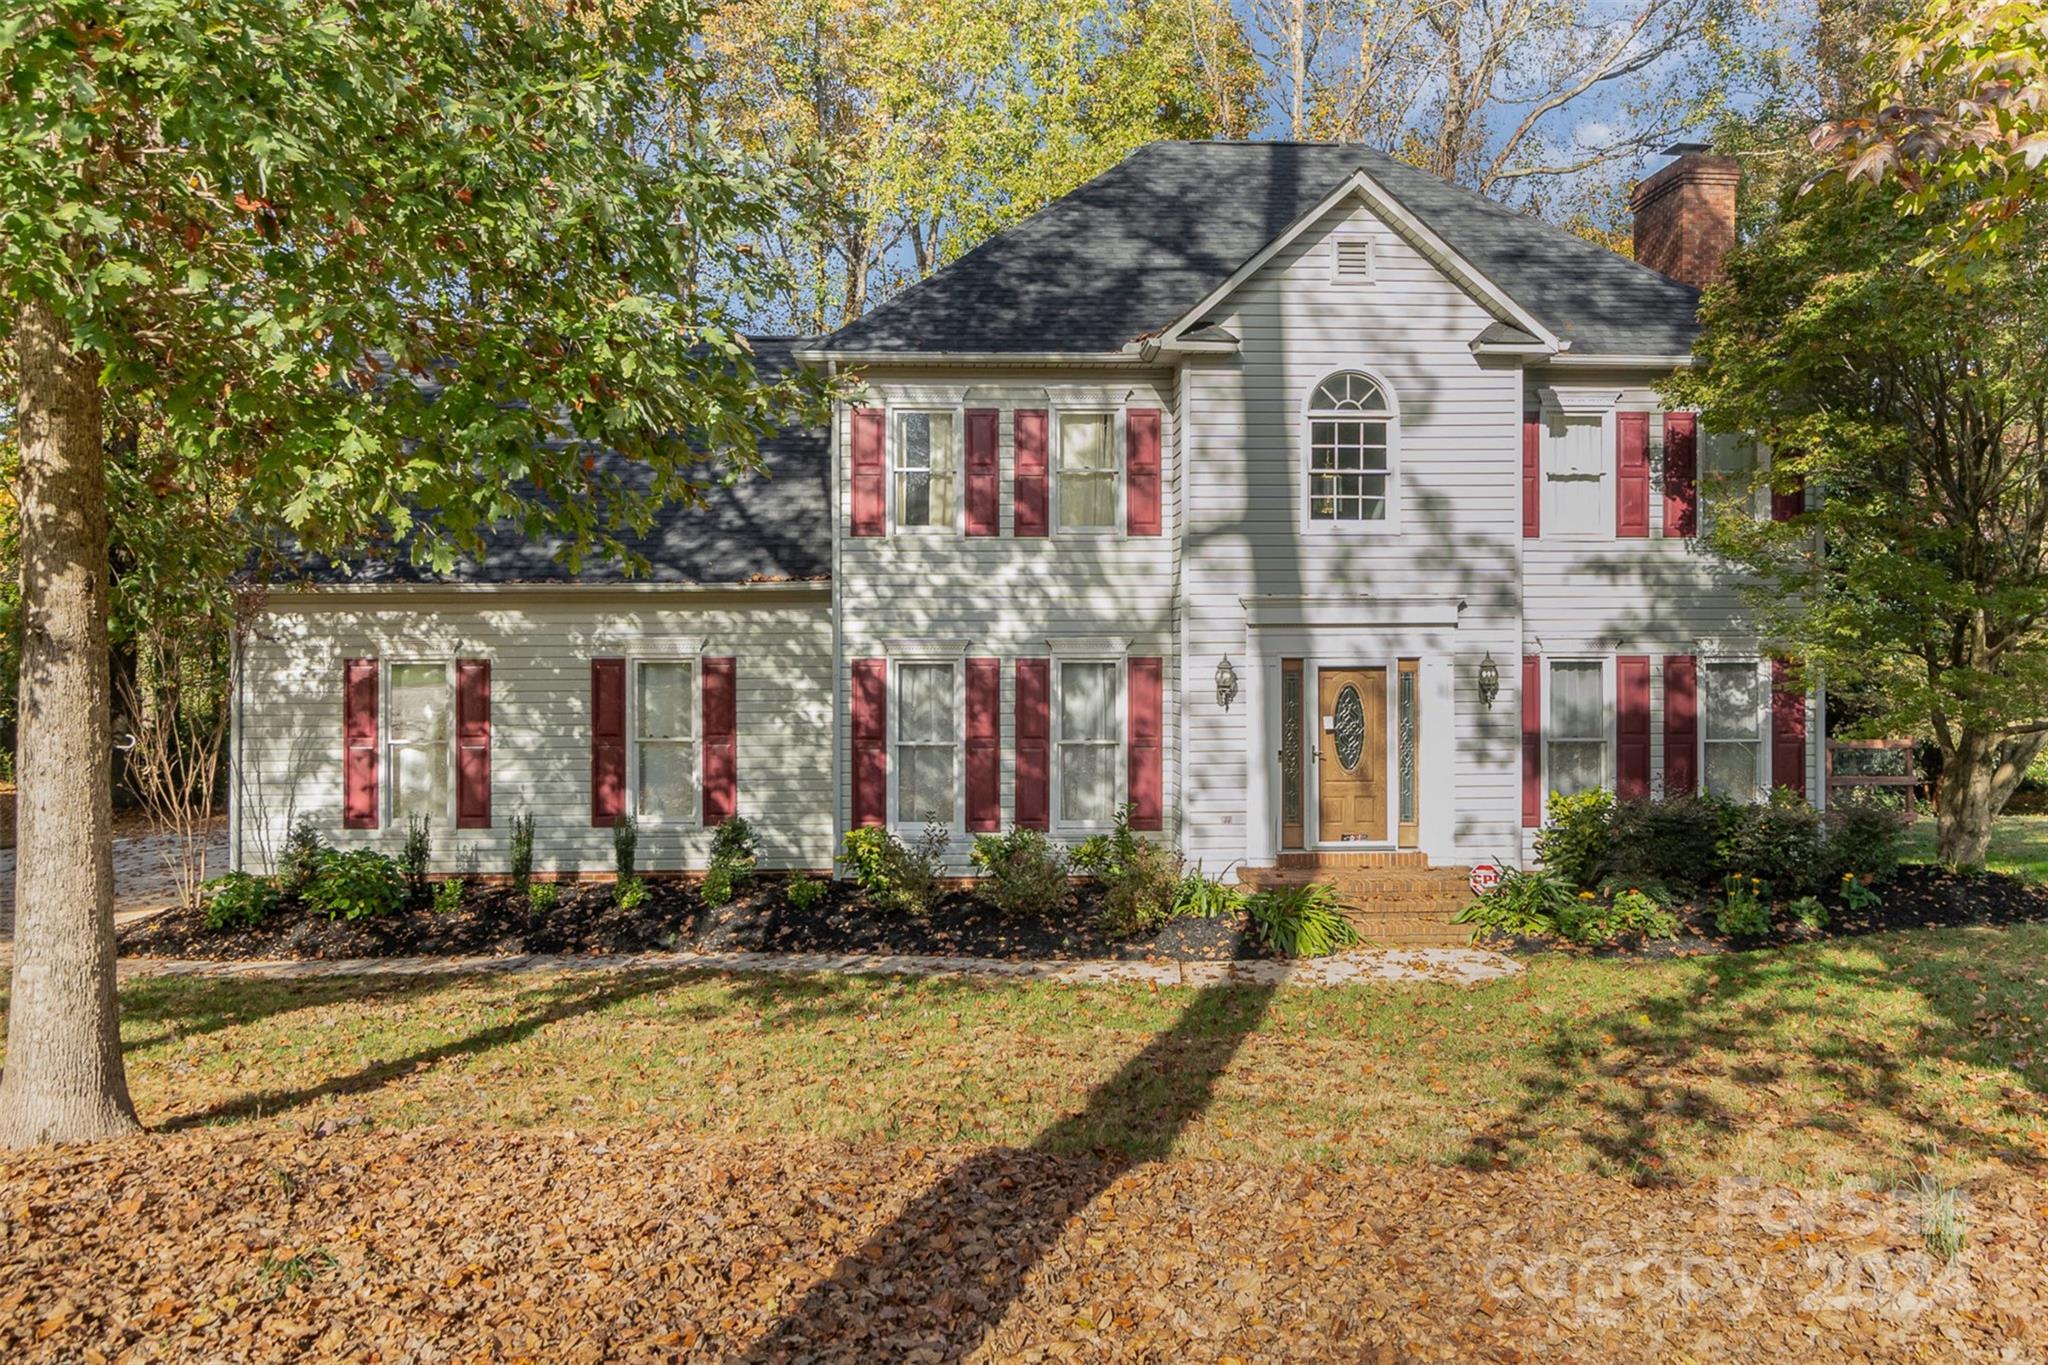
[1350,450]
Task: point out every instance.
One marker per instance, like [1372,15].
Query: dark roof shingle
[1128,253]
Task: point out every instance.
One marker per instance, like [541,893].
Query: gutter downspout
[838,651]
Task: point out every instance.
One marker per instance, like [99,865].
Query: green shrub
[892,874]
[300,861]
[1858,896]
[1616,884]
[542,897]
[1779,842]
[625,845]
[1591,920]
[1140,879]
[522,853]
[1200,897]
[1676,841]
[732,861]
[1863,842]
[237,900]
[805,892]
[359,884]
[1578,835]
[1810,912]
[1745,908]
[414,857]
[1022,872]
[1301,921]
[628,894]
[1525,903]
[448,896]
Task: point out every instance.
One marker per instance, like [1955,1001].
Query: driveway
[143,881]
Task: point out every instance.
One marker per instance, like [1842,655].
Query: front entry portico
[1352,726]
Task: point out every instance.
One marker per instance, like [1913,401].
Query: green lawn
[2019,845]
[1854,1059]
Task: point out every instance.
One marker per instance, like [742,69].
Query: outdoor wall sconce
[1226,683]
[1489,680]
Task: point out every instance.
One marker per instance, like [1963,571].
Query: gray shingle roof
[1134,249]
[772,526]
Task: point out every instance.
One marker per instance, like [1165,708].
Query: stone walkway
[1450,966]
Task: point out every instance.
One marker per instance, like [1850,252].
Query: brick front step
[1404,902]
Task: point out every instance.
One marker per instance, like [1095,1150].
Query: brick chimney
[1685,215]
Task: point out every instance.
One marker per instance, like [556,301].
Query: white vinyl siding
[539,642]
[664,741]
[1575,729]
[1088,742]
[1088,471]
[1732,729]
[419,698]
[927,727]
[925,481]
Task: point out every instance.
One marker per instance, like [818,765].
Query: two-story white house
[1298,500]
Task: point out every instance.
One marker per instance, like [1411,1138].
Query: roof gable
[1135,250]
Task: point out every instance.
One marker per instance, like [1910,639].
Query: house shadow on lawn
[940,1275]
[1664,1081]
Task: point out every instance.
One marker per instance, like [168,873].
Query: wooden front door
[1351,755]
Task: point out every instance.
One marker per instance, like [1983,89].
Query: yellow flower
[1585,895]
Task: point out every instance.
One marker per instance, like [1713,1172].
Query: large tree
[1919,416]
[395,271]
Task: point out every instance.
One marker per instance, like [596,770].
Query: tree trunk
[63,1079]
[1963,815]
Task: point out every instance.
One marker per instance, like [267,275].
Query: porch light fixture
[1226,683]
[1489,680]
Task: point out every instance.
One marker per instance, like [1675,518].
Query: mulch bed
[341,1241]
[1917,896]
[493,920]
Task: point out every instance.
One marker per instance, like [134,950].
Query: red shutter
[721,740]
[1532,742]
[1532,475]
[1681,474]
[1147,748]
[1632,474]
[1790,502]
[1788,727]
[1632,727]
[1681,725]
[607,740]
[870,474]
[359,744]
[1141,455]
[870,741]
[1028,517]
[984,745]
[1034,743]
[984,473]
[472,743]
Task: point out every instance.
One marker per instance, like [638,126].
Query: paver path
[143,883]
[1453,966]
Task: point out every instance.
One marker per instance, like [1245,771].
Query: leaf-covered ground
[379,1168]
[652,1243]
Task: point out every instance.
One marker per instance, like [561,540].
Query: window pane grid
[1087,472]
[1088,742]
[418,735]
[924,469]
[1349,465]
[1733,730]
[1578,727]
[664,734]
[927,744]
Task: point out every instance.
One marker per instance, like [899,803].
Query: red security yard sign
[1485,877]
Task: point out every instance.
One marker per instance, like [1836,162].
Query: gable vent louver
[1351,260]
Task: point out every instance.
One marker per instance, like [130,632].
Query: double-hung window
[1350,451]
[1087,471]
[924,469]
[1728,464]
[665,740]
[1578,726]
[1733,733]
[1088,740]
[927,730]
[418,735]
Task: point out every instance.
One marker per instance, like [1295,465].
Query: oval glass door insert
[1349,724]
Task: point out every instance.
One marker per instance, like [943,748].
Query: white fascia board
[1131,355]
[1618,362]
[1403,222]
